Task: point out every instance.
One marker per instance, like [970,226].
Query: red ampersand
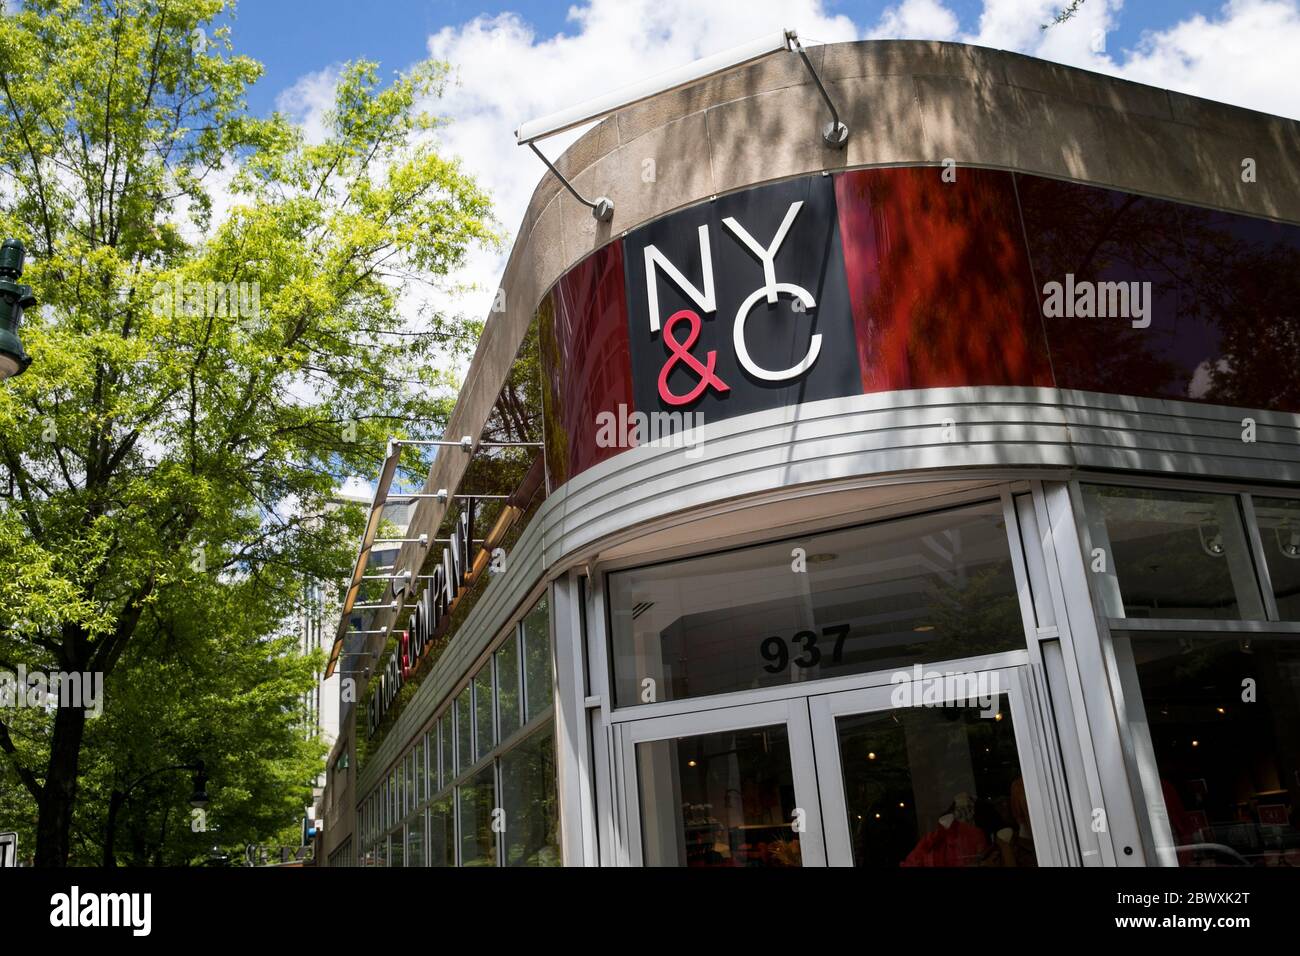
[681,352]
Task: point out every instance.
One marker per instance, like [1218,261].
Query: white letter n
[706,300]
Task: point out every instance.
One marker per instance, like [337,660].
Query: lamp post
[116,800]
[14,297]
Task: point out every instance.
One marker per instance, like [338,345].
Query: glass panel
[477,800]
[395,847]
[537,659]
[1279,532]
[430,765]
[442,832]
[935,786]
[718,800]
[1223,720]
[415,841]
[509,711]
[528,796]
[923,588]
[484,727]
[464,748]
[412,798]
[1171,554]
[445,772]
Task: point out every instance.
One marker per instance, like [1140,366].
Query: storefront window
[718,800]
[430,769]
[923,588]
[1279,533]
[464,742]
[528,796]
[477,801]
[537,659]
[484,726]
[509,712]
[445,771]
[412,796]
[1220,716]
[415,840]
[442,832]
[935,787]
[1170,554]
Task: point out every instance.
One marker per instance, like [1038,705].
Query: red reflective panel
[586,364]
[939,281]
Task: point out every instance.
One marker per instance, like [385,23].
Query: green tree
[197,387]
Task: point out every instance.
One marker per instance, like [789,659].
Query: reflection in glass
[477,800]
[528,796]
[537,659]
[1223,721]
[430,768]
[718,800]
[442,832]
[446,771]
[509,711]
[935,786]
[395,846]
[464,743]
[484,726]
[1279,533]
[922,588]
[415,841]
[412,795]
[1171,554]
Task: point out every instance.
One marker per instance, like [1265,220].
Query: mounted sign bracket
[602,210]
[835,133]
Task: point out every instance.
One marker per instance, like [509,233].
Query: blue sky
[295,37]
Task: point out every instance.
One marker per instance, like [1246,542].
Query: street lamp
[14,297]
[116,800]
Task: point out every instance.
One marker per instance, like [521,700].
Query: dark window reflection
[935,787]
[1279,533]
[923,588]
[718,800]
[1171,554]
[530,801]
[1223,322]
[1224,720]
[477,801]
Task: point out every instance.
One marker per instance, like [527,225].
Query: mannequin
[955,840]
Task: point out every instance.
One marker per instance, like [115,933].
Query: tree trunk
[54,820]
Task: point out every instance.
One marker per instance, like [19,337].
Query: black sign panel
[741,304]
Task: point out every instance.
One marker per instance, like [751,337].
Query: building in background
[929,501]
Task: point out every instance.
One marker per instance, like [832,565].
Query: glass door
[939,770]
[733,787]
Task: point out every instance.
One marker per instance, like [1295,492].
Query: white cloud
[308,99]
[916,20]
[1245,56]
